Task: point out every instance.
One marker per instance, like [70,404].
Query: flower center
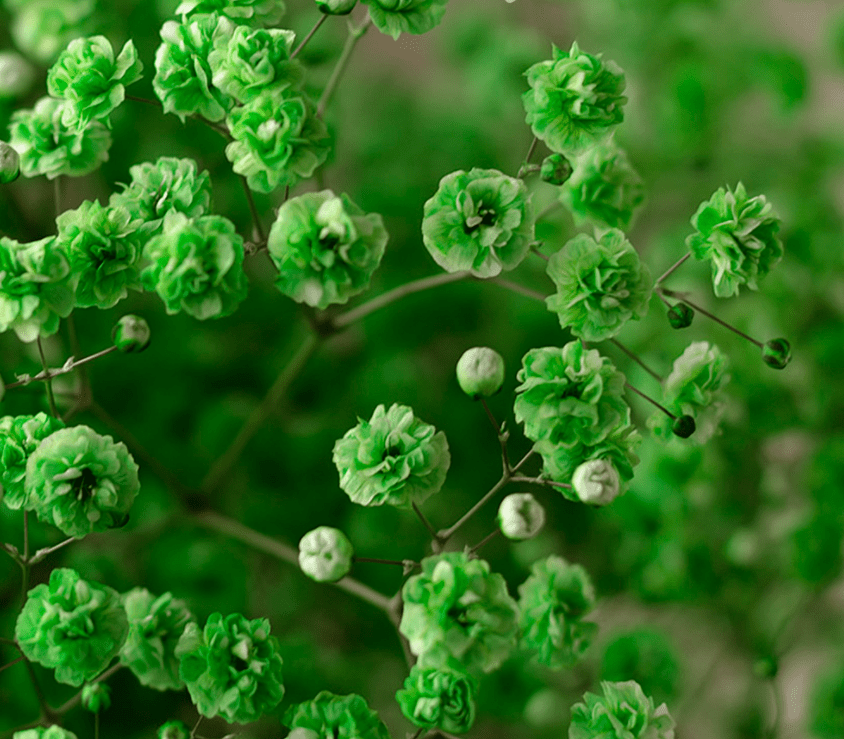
[483,217]
[84,485]
[391,451]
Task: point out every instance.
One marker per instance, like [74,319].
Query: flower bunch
[575,100]
[232,667]
[395,17]
[263,12]
[601,284]
[337,716]
[439,698]
[19,438]
[738,235]
[71,625]
[457,608]
[325,248]
[623,712]
[480,220]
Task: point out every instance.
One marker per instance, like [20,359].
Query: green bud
[680,316]
[10,164]
[16,75]
[173,730]
[336,7]
[520,516]
[555,169]
[96,697]
[776,353]
[683,427]
[131,334]
[480,372]
[325,554]
[596,481]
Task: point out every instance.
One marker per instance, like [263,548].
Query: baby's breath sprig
[683,426]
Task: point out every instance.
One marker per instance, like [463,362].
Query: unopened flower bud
[10,164]
[680,316]
[520,516]
[16,75]
[596,482]
[776,353]
[683,427]
[325,554]
[173,730]
[96,697]
[131,334]
[480,372]
[336,7]
[555,169]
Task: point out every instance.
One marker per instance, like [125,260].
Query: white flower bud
[325,554]
[520,516]
[596,482]
[480,372]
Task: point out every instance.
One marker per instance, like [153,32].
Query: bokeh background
[722,560]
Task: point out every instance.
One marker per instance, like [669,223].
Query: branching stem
[355,34]
[322,19]
[637,359]
[682,297]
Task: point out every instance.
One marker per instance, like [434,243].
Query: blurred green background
[721,560]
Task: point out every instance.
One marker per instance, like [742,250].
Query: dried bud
[680,316]
[555,169]
[596,482]
[131,334]
[520,516]
[480,372]
[776,353]
[683,427]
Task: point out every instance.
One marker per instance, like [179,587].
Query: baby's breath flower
[738,235]
[520,516]
[131,334]
[72,625]
[395,17]
[555,169]
[337,716]
[19,438]
[325,554]
[439,698]
[88,76]
[96,697]
[196,266]
[51,732]
[480,372]
[601,284]
[393,458]
[232,667]
[552,603]
[575,100]
[173,730]
[81,482]
[480,220]
[278,140]
[10,164]
[325,248]
[623,712]
[16,75]
[776,353]
[596,481]
[42,28]
[680,316]
[263,12]
[336,7]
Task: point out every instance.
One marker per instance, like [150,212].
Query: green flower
[480,221]
[35,288]
[393,458]
[17,75]
[232,667]
[325,248]
[325,554]
[335,716]
[19,438]
[457,608]
[278,140]
[575,100]
[601,284]
[81,482]
[72,625]
[552,603]
[52,732]
[738,235]
[623,712]
[48,147]
[439,698]
[395,17]
[42,28]
[263,12]
[87,75]
[182,79]
[249,61]
[155,625]
[196,266]
[161,186]
[698,373]
[103,252]
[604,188]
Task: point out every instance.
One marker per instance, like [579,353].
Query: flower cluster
[71,625]
[575,100]
[337,716]
[325,248]
[441,698]
[480,220]
[232,667]
[395,17]
[601,284]
[263,12]
[738,235]
[393,458]
[552,603]
[457,608]
[623,712]
[19,438]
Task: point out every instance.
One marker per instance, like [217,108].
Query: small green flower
[604,188]
[42,28]
[520,516]
[480,220]
[251,60]
[81,482]
[103,252]
[278,140]
[72,625]
[552,603]
[155,626]
[48,147]
[395,17]
[575,100]
[36,288]
[51,732]
[182,79]
[601,284]
[232,668]
[263,12]
[623,712]
[336,716]
[10,164]
[19,438]
[480,372]
[738,235]
[17,75]
[96,697]
[457,608]
[196,266]
[325,248]
[88,76]
[680,316]
[555,169]
[173,730]
[325,554]
[131,334]
[393,458]
[439,698]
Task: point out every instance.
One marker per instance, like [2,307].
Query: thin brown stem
[256,217]
[13,662]
[540,481]
[322,19]
[526,162]
[490,416]
[425,522]
[516,288]
[446,534]
[651,401]
[376,560]
[540,254]
[49,373]
[684,299]
[637,359]
[483,541]
[671,269]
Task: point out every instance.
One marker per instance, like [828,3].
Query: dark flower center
[483,217]
[84,485]
[329,241]
[391,451]
[239,664]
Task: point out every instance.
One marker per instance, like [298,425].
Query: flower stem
[671,269]
[445,534]
[256,218]
[50,399]
[355,34]
[484,540]
[526,161]
[425,522]
[682,298]
[76,699]
[636,359]
[48,373]
[512,286]
[540,481]
[540,254]
[651,401]
[378,561]
[322,19]
[97,725]
[195,727]
[42,553]
[502,437]
[13,662]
